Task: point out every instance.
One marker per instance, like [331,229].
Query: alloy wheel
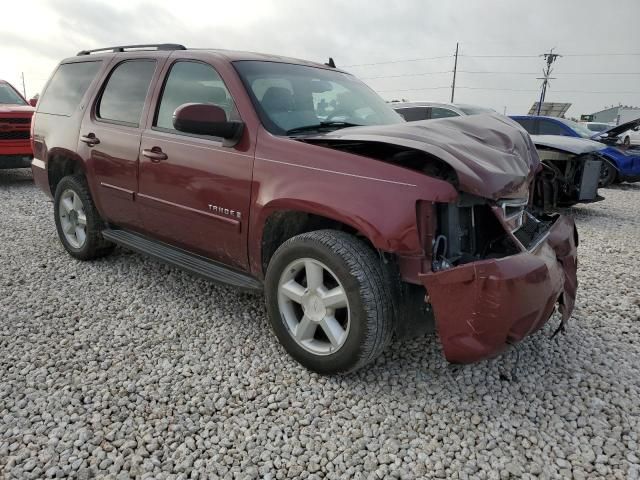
[73,219]
[314,307]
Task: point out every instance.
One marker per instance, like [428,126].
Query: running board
[196,264]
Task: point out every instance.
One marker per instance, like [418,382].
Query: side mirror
[207,119]
[33,102]
[635,129]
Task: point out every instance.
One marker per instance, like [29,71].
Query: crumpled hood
[492,155]
[574,145]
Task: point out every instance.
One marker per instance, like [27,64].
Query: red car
[15,124]
[294,178]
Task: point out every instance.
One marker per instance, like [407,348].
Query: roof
[229,55]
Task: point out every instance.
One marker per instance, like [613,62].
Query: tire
[608,174]
[627,141]
[73,190]
[348,263]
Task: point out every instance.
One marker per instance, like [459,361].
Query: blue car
[622,165]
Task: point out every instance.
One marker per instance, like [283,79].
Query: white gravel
[126,368]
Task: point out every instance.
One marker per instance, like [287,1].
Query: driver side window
[192,82]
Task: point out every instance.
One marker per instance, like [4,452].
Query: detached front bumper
[482,307]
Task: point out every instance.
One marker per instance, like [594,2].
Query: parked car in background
[619,165]
[630,137]
[15,125]
[570,171]
[597,127]
[414,111]
[357,225]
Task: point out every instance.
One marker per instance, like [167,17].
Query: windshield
[580,129]
[292,97]
[8,96]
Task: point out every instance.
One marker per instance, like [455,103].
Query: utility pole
[24,90]
[455,68]
[549,58]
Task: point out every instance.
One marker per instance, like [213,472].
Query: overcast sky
[36,34]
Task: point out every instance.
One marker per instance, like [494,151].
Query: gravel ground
[126,368]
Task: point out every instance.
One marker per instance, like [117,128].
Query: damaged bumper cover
[482,307]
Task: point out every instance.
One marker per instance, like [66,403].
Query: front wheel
[608,174]
[78,223]
[328,301]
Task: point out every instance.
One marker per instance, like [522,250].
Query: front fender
[381,209]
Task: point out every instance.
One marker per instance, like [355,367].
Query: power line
[563,73]
[509,90]
[499,56]
[491,73]
[396,61]
[406,75]
[631,54]
[415,89]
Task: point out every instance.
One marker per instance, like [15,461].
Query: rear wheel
[608,174]
[328,301]
[78,223]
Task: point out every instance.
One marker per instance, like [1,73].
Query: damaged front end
[497,274]
[494,267]
[569,172]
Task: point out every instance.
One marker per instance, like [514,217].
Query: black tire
[94,246]
[358,268]
[608,174]
[627,141]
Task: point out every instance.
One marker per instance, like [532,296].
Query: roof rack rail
[124,48]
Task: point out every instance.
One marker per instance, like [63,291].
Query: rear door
[195,192]
[110,136]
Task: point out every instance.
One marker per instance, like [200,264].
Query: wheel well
[283,225]
[59,167]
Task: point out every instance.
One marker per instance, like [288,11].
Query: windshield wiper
[322,126]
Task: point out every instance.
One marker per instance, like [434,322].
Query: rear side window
[528,124]
[549,127]
[67,87]
[192,82]
[437,112]
[123,97]
[413,114]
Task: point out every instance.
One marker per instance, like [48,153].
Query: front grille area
[532,231]
[15,135]
[16,121]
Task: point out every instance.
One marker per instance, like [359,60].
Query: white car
[597,127]
[630,137]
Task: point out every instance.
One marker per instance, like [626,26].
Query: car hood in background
[617,130]
[575,145]
[492,155]
[16,108]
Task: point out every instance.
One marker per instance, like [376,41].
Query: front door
[194,192]
[110,139]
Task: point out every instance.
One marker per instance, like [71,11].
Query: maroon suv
[275,174]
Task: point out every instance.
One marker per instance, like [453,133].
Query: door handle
[90,139]
[155,154]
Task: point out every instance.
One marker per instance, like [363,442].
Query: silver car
[414,111]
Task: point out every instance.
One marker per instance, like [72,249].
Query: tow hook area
[482,307]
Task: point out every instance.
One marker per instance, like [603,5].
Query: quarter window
[413,114]
[437,112]
[192,82]
[123,98]
[67,87]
